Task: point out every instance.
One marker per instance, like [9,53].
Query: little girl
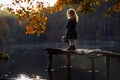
[71,28]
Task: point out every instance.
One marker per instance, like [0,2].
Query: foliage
[88,6]
[114,8]
[3,55]
[35,13]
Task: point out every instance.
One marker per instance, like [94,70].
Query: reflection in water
[25,77]
[68,74]
[68,68]
[50,76]
[69,77]
[32,59]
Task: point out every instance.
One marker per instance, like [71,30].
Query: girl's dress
[71,29]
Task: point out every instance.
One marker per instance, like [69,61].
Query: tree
[4,31]
[34,14]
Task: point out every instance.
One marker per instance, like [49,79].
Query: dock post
[49,67]
[49,62]
[68,60]
[50,76]
[93,68]
[107,68]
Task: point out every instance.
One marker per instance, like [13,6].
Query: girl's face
[71,13]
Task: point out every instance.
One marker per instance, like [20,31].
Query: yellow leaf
[97,3]
[80,8]
[106,0]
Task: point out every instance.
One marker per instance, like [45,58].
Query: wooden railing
[92,54]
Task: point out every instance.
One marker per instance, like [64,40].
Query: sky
[5,2]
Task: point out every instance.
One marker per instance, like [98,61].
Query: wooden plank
[94,52]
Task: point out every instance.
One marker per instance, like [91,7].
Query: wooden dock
[90,53]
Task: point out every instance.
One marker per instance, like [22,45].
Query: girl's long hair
[74,16]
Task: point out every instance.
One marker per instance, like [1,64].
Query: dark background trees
[91,26]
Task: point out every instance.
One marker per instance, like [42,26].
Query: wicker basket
[64,39]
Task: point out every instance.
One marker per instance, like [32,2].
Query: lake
[29,62]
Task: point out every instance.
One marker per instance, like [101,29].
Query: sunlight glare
[5,3]
[48,2]
[25,77]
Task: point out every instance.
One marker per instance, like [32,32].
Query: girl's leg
[72,44]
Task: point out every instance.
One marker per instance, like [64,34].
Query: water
[29,62]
